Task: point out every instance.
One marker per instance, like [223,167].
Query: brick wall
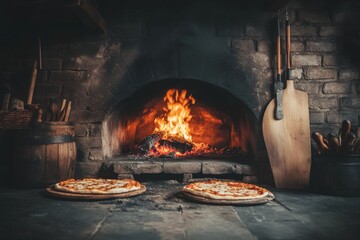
[97,72]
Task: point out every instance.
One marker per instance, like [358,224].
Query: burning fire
[175,120]
[172,136]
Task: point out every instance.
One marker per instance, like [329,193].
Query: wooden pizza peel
[287,140]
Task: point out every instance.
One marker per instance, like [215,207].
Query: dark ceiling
[24,17]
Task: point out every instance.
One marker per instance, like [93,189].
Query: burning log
[176,144]
[149,142]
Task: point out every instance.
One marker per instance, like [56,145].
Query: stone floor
[161,214]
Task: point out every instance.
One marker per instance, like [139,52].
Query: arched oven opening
[181,119]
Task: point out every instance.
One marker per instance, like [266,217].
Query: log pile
[156,139]
[149,142]
[177,145]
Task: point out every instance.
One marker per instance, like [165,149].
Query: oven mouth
[216,119]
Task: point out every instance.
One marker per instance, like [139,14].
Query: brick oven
[221,53]
[173,93]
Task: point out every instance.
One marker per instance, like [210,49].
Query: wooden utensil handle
[278,51]
[288,64]
[32,84]
[348,143]
[334,145]
[319,139]
[344,131]
[68,110]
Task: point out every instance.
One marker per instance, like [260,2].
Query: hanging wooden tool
[287,140]
[278,85]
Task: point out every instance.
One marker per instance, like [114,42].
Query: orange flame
[175,120]
[174,123]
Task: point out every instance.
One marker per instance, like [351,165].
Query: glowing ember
[175,120]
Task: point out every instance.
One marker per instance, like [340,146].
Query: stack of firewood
[176,145]
[341,144]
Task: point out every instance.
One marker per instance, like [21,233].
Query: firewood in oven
[149,142]
[178,145]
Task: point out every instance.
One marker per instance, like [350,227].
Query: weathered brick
[244,169]
[317,117]
[297,46]
[81,130]
[87,130]
[330,31]
[129,167]
[149,167]
[125,176]
[306,60]
[82,153]
[339,117]
[264,46]
[349,74]
[125,167]
[336,87]
[303,31]
[90,142]
[350,103]
[260,61]
[109,48]
[321,46]
[252,31]
[95,129]
[296,73]
[187,177]
[96,154]
[85,116]
[319,103]
[336,60]
[217,168]
[75,91]
[70,76]
[182,167]
[310,88]
[240,45]
[52,63]
[47,90]
[320,73]
[72,63]
[314,16]
[88,169]
[330,60]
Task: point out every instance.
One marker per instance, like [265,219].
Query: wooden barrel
[44,154]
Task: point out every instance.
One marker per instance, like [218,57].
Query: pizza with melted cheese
[98,186]
[225,190]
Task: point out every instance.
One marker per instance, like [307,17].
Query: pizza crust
[97,186]
[226,190]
